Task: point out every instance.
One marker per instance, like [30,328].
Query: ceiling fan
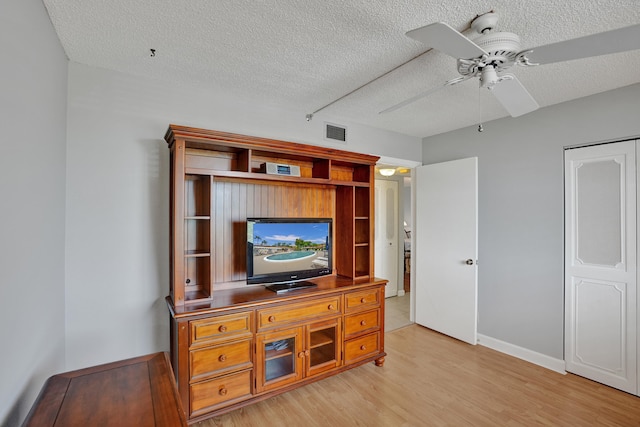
[491,53]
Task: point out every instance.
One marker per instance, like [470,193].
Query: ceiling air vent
[336,133]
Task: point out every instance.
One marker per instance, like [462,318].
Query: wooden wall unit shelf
[234,344]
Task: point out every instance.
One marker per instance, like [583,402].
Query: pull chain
[480,128]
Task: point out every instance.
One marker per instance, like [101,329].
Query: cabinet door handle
[363,347]
[363,322]
[222,357]
[222,328]
[222,391]
[307,353]
[301,354]
[272,318]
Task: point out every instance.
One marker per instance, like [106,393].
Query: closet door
[600,264]
[386,234]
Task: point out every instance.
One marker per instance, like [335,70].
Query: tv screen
[288,250]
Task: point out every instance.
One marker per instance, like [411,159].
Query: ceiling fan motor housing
[502,50]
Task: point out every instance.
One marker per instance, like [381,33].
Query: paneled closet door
[601,263]
[386,234]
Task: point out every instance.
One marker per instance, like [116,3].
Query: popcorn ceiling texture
[303,54]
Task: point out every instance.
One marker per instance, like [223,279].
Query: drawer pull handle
[222,328]
[272,318]
[363,300]
[331,307]
[363,322]
[222,357]
[363,347]
[222,391]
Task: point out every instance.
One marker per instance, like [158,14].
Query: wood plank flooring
[429,379]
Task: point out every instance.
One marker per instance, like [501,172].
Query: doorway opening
[393,219]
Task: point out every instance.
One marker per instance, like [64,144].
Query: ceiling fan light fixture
[387,171]
[489,77]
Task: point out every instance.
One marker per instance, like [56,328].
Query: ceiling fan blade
[446,39]
[514,97]
[614,41]
[424,94]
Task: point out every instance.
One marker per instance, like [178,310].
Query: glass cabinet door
[323,346]
[280,358]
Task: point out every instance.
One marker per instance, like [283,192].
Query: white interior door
[601,264]
[386,234]
[446,247]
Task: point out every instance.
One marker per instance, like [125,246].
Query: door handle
[469,261]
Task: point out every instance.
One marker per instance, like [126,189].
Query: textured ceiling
[304,54]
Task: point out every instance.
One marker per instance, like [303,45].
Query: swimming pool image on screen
[289,256]
[284,247]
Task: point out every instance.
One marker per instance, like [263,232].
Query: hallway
[397,312]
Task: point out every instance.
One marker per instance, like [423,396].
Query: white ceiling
[305,54]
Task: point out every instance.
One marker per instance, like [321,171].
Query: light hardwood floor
[429,379]
[396,312]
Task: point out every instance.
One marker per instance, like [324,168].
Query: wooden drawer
[206,396]
[220,328]
[362,299]
[298,312]
[359,348]
[214,360]
[355,324]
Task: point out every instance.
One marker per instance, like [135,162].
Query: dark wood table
[136,392]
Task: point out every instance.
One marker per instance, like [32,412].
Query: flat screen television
[283,252]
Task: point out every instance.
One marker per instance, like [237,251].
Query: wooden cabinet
[220,328]
[279,358]
[250,343]
[233,344]
[218,181]
[364,324]
[218,392]
[287,355]
[354,219]
[324,346]
[313,309]
[220,363]
[354,324]
[197,243]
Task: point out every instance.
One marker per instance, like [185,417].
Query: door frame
[410,164]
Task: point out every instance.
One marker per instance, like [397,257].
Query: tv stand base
[281,288]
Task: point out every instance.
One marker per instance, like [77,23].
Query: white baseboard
[536,358]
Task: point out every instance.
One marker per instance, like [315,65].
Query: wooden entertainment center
[233,344]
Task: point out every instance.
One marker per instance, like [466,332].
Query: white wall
[118,199]
[33,85]
[520,269]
